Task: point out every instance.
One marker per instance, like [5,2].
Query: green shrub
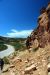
[6,61]
[19,46]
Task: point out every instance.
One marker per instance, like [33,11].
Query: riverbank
[3,47]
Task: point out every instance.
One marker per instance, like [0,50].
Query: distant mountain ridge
[8,39]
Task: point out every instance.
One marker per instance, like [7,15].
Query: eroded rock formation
[42,32]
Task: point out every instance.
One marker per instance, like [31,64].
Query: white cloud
[19,34]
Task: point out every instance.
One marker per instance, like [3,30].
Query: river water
[7,52]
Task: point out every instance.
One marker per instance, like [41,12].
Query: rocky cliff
[41,35]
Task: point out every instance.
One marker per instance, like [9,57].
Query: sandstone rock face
[48,7]
[43,20]
[42,33]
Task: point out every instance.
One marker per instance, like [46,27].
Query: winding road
[7,52]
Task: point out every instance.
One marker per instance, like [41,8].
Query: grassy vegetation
[18,46]
[2,47]
[18,43]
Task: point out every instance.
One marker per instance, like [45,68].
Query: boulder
[11,66]
[11,72]
[35,44]
[26,61]
[6,67]
[29,69]
[17,59]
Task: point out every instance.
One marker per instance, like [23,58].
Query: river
[7,52]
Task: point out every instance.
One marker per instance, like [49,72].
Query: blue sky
[19,17]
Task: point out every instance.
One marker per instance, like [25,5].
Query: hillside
[21,63]
[8,39]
